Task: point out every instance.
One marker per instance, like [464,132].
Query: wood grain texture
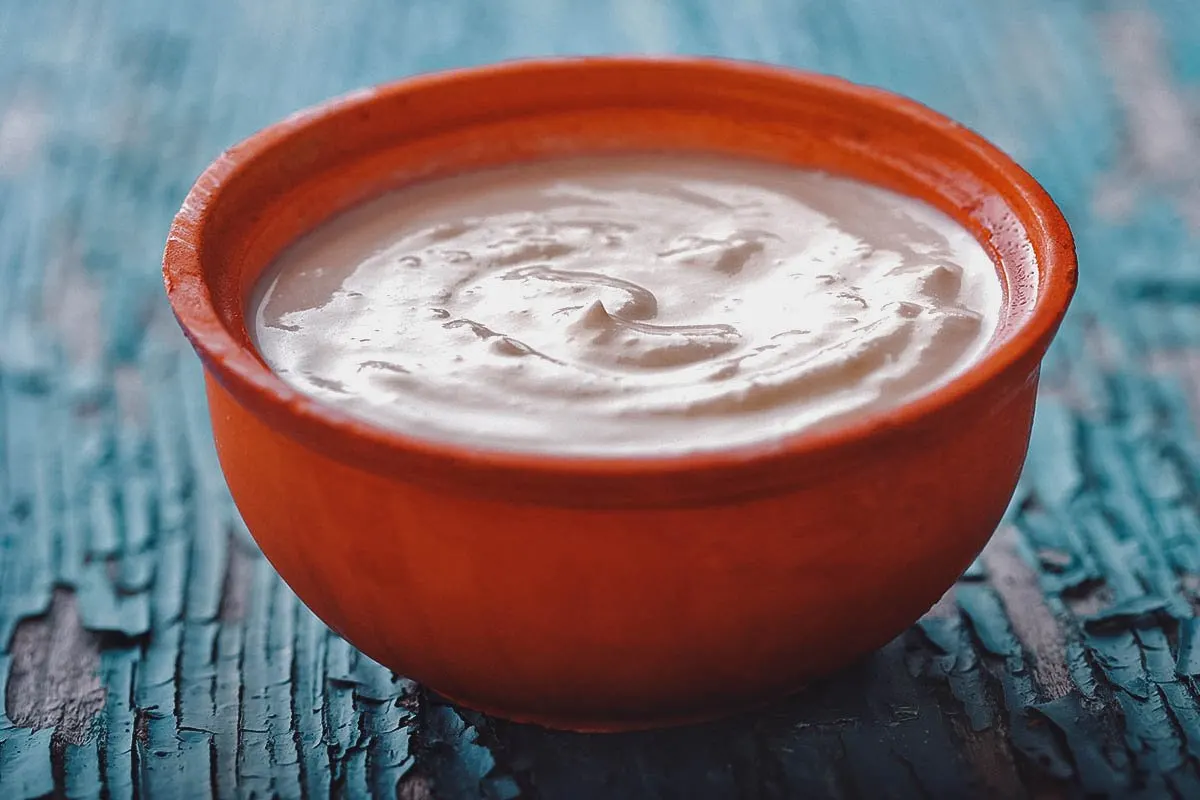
[146,648]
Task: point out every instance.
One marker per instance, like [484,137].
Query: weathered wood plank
[146,649]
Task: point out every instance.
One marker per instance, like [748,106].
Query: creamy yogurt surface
[627,305]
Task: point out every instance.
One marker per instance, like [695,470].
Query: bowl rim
[569,479]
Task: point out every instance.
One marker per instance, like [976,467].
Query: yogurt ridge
[627,305]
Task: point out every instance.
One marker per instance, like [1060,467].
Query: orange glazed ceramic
[615,593]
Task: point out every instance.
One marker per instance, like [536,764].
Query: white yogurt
[627,305]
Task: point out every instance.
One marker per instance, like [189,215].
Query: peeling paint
[24,125]
[1161,121]
[52,672]
[1033,623]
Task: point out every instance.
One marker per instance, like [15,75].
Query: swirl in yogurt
[627,305]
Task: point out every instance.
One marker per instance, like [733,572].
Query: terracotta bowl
[614,593]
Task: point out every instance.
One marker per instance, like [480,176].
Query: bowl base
[587,724]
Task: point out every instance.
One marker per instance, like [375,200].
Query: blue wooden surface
[147,650]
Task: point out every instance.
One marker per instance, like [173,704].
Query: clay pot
[615,593]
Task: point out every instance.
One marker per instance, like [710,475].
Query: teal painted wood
[149,651]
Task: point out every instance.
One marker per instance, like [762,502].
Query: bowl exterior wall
[598,619]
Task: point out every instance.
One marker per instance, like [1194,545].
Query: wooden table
[149,650]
